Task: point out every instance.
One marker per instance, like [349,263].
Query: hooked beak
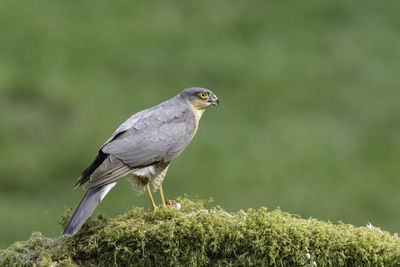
[214,100]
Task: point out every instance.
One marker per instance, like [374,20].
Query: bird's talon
[177,206]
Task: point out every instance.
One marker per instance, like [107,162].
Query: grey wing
[105,168]
[160,133]
[110,170]
[134,119]
[159,137]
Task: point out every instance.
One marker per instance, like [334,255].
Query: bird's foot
[177,206]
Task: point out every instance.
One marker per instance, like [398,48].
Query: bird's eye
[203,95]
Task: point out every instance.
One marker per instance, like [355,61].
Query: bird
[142,149]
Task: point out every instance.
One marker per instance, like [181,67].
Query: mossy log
[195,236]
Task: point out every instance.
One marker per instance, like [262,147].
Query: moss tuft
[200,237]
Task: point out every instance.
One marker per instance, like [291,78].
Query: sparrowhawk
[142,149]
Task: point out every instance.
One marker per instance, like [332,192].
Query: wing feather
[109,171]
[158,134]
[162,136]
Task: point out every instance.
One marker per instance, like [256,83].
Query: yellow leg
[153,205]
[162,196]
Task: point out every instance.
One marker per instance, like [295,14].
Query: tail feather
[87,205]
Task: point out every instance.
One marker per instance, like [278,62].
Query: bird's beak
[214,100]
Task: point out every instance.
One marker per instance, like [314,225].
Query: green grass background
[308,121]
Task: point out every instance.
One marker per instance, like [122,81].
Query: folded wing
[159,135]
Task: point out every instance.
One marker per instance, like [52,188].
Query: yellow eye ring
[203,95]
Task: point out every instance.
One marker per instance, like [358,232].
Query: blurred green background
[308,120]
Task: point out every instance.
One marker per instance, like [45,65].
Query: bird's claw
[177,206]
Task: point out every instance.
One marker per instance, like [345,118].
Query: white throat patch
[199,113]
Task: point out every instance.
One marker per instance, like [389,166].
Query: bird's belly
[154,174]
[148,171]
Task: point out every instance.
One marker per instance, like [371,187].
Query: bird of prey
[142,149]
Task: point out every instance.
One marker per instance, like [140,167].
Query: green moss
[200,237]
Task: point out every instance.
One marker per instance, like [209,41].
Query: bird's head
[200,98]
